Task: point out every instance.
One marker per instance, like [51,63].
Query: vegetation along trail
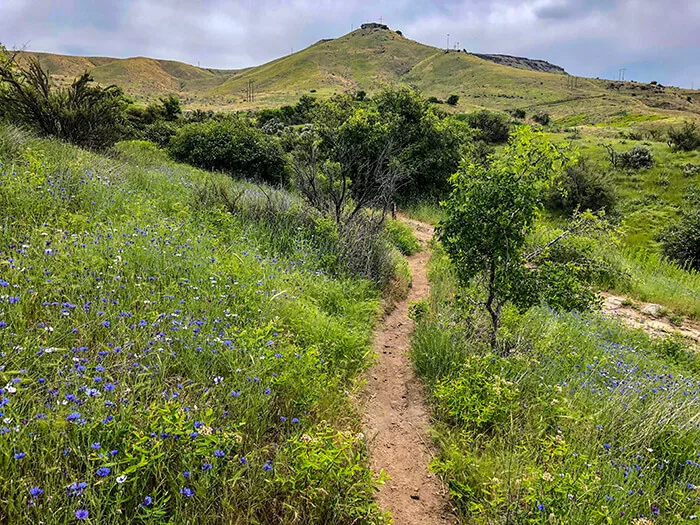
[396,418]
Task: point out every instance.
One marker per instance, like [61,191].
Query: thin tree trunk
[493,306]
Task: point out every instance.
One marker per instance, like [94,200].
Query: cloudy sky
[652,39]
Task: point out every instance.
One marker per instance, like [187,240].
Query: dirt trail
[649,317]
[397,417]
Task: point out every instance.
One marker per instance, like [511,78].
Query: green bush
[518,113]
[452,100]
[476,399]
[401,236]
[491,127]
[582,187]
[160,132]
[82,113]
[233,146]
[685,138]
[637,158]
[681,241]
[541,118]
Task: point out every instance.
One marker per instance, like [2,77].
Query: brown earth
[397,417]
[649,317]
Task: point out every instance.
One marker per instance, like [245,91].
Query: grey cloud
[586,36]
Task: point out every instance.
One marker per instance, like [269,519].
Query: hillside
[374,55]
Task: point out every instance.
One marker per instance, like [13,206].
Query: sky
[652,39]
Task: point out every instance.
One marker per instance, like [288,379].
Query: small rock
[415,496]
[653,310]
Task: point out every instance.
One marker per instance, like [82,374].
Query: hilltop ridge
[373,56]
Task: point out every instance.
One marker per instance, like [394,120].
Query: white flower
[121,479]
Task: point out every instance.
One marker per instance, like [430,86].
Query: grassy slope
[368,59]
[147,332]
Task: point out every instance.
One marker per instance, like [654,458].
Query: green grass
[151,334]
[583,422]
[401,236]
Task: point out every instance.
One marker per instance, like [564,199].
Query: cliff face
[523,63]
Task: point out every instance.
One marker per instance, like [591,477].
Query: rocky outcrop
[523,63]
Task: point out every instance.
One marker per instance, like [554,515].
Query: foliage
[681,240]
[165,360]
[519,113]
[233,146]
[160,132]
[401,236]
[82,113]
[685,138]
[541,118]
[490,127]
[489,214]
[637,158]
[452,100]
[322,481]
[582,187]
[599,432]
[474,398]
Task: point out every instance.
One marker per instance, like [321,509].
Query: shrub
[518,113]
[491,127]
[582,188]
[475,399]
[233,146]
[681,241]
[82,113]
[160,133]
[685,138]
[541,118]
[452,100]
[635,159]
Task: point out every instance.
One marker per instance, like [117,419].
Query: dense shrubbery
[685,138]
[489,127]
[233,146]
[82,113]
[681,240]
[582,187]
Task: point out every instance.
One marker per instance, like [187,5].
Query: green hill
[373,56]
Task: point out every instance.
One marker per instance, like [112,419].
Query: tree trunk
[493,306]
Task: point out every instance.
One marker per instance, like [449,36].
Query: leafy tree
[82,113]
[452,100]
[171,108]
[490,127]
[233,146]
[490,211]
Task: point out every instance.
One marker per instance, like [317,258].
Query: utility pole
[448,42]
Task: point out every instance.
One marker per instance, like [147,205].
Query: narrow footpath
[397,416]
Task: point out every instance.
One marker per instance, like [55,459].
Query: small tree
[452,100]
[82,113]
[490,211]
[171,108]
[490,127]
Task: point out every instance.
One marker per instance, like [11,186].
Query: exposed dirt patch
[649,317]
[397,417]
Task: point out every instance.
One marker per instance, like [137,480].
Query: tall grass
[584,421]
[164,361]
